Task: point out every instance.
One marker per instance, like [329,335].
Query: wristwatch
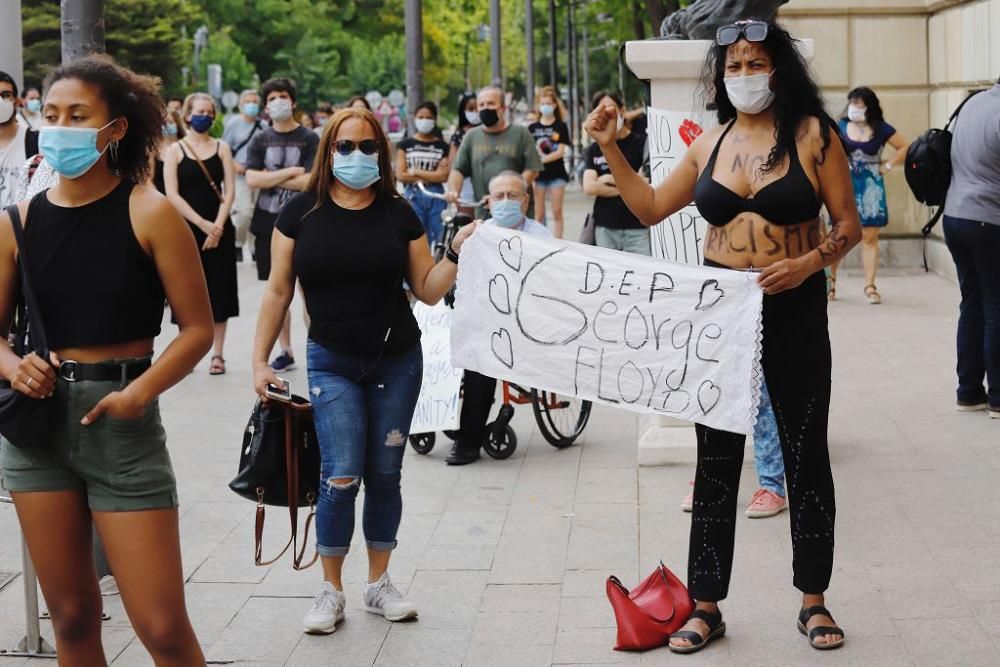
[451,255]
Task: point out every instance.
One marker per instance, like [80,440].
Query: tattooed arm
[836,191]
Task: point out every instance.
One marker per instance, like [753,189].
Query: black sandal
[716,628]
[217,368]
[821,630]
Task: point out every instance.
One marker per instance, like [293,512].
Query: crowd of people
[112,183]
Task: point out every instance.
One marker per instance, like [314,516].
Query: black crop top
[94,283]
[790,200]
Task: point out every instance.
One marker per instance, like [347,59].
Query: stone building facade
[921,57]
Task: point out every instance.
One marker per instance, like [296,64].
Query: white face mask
[621,123]
[750,94]
[6,110]
[280,109]
[856,114]
[424,125]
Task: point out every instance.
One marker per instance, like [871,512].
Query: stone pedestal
[674,70]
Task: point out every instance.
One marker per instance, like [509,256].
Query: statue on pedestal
[701,18]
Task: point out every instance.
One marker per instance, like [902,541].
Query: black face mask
[489,117]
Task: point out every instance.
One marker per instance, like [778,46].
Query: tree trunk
[82,27]
[638,19]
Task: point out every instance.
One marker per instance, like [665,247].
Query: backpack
[928,166]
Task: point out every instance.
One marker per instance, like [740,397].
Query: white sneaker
[382,597]
[327,610]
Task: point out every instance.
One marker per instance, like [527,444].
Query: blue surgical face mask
[251,109]
[71,151]
[357,170]
[547,109]
[34,105]
[202,123]
[170,130]
[507,213]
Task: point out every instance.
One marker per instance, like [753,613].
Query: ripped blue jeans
[362,413]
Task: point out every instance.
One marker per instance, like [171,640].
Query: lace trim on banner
[756,369]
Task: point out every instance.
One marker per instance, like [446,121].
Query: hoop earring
[113,149]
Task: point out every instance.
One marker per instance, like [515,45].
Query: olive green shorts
[121,465]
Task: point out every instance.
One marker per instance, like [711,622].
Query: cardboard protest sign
[679,238]
[615,328]
[437,405]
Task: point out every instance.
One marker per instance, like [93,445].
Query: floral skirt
[869,192]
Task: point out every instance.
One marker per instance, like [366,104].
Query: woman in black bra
[759,180]
[103,253]
[199,175]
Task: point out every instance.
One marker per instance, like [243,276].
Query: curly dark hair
[281,83]
[873,109]
[128,95]
[796,95]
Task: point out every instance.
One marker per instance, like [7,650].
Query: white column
[11,60]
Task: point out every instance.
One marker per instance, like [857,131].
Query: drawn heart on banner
[500,293]
[511,251]
[708,396]
[503,347]
[689,131]
[710,294]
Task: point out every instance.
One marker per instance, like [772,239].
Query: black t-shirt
[547,139]
[423,155]
[270,150]
[611,212]
[352,272]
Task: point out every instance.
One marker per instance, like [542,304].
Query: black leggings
[796,360]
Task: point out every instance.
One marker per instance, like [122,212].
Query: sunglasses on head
[752,31]
[366,146]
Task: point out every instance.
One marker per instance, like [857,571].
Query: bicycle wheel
[561,419]
[423,443]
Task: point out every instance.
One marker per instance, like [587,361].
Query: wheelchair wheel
[500,444]
[561,419]
[423,443]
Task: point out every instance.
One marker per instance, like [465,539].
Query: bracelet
[451,255]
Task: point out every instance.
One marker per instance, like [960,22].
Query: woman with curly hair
[759,179]
[104,251]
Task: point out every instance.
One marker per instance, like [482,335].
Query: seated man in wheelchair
[508,203]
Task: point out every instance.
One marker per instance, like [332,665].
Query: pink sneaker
[765,503]
[688,503]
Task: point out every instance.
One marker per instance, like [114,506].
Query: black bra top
[790,200]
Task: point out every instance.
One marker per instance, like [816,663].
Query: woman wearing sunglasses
[351,241]
[759,180]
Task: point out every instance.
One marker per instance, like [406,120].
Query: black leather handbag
[280,465]
[24,421]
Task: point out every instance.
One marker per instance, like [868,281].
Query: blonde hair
[189,104]
[548,91]
[321,177]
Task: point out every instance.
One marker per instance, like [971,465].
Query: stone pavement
[508,559]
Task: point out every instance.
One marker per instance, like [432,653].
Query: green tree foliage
[336,48]
[237,71]
[145,35]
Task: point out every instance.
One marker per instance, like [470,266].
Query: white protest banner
[620,329]
[437,405]
[678,238]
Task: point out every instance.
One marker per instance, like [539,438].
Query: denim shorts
[121,465]
[553,183]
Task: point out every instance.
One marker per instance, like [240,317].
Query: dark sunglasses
[366,146]
[752,31]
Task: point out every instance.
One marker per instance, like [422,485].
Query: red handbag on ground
[654,610]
